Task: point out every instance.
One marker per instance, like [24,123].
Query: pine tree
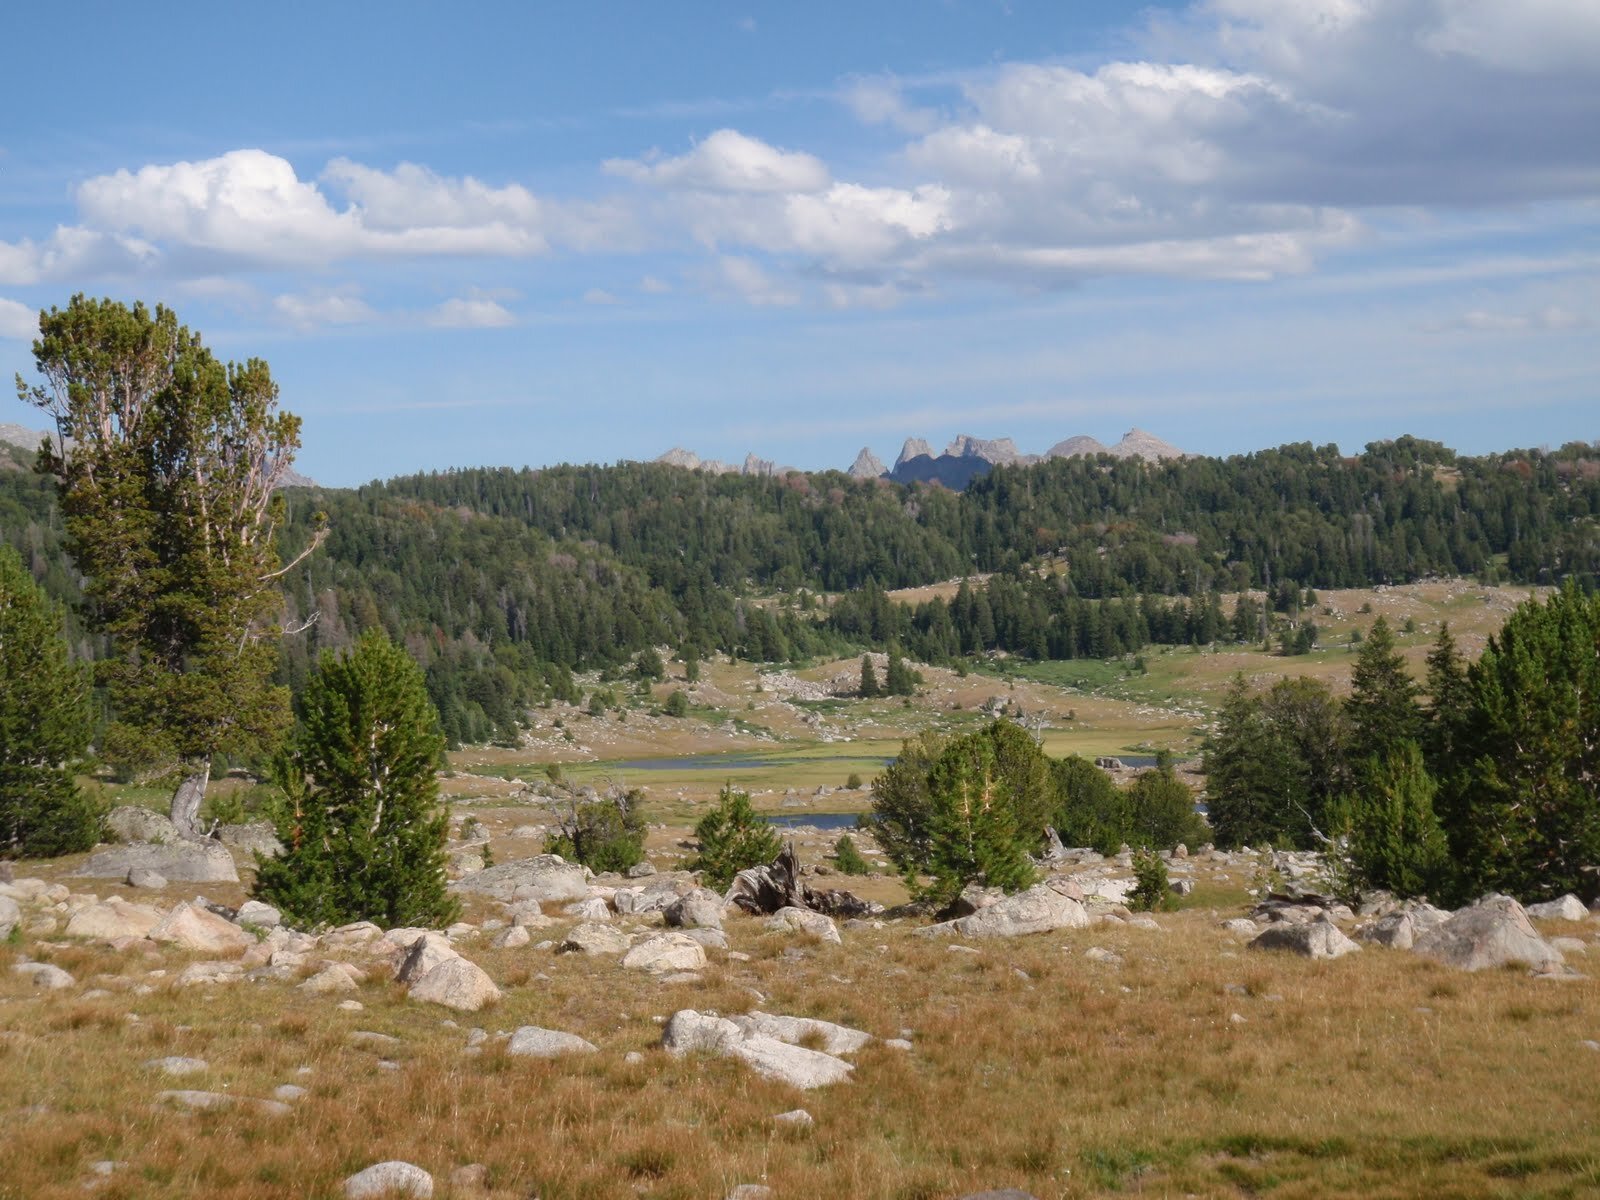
[1448,699]
[170,498]
[44,724]
[869,679]
[1519,805]
[732,837]
[364,830]
[1382,706]
[899,680]
[1395,841]
[973,834]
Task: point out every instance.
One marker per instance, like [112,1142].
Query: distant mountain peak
[915,447]
[1136,443]
[867,465]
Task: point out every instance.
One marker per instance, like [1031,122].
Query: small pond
[815,820]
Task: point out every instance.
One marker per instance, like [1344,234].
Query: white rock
[10,916]
[532,1042]
[112,919]
[456,983]
[43,975]
[422,956]
[592,909]
[591,937]
[389,1179]
[513,937]
[329,979]
[261,916]
[1315,939]
[1490,933]
[664,953]
[1567,908]
[195,928]
[803,920]
[1040,909]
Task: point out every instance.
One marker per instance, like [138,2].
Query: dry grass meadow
[1193,1067]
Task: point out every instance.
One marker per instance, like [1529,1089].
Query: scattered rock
[458,984]
[43,975]
[803,920]
[1315,939]
[256,837]
[543,877]
[834,1039]
[178,861]
[10,916]
[532,1042]
[146,880]
[198,973]
[176,1065]
[357,933]
[253,913]
[389,1179]
[112,919]
[129,823]
[1567,908]
[193,927]
[512,938]
[697,909]
[795,1116]
[688,1031]
[329,979]
[592,909]
[1490,933]
[594,938]
[666,952]
[1040,909]
[422,956]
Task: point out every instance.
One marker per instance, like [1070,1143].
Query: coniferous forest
[503,582]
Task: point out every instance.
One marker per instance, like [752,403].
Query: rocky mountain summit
[966,458]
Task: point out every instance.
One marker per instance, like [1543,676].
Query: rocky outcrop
[1493,932]
[768,1055]
[1040,909]
[129,823]
[458,984]
[194,927]
[179,862]
[665,953]
[1311,939]
[389,1180]
[543,877]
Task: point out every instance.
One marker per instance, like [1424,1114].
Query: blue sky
[538,233]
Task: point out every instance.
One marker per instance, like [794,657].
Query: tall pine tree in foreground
[1522,806]
[364,832]
[44,724]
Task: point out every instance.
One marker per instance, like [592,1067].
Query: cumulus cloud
[18,321]
[599,296]
[71,252]
[314,310]
[251,205]
[462,312]
[729,161]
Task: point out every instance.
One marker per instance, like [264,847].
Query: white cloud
[312,310]
[880,101]
[251,205]
[71,252]
[471,313]
[18,321]
[654,286]
[599,296]
[729,161]
[746,279]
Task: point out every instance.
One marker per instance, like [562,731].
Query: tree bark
[187,799]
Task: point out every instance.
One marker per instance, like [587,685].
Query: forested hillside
[502,582]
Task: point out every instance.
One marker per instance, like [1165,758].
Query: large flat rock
[179,862]
[543,877]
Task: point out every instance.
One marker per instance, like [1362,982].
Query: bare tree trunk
[187,799]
